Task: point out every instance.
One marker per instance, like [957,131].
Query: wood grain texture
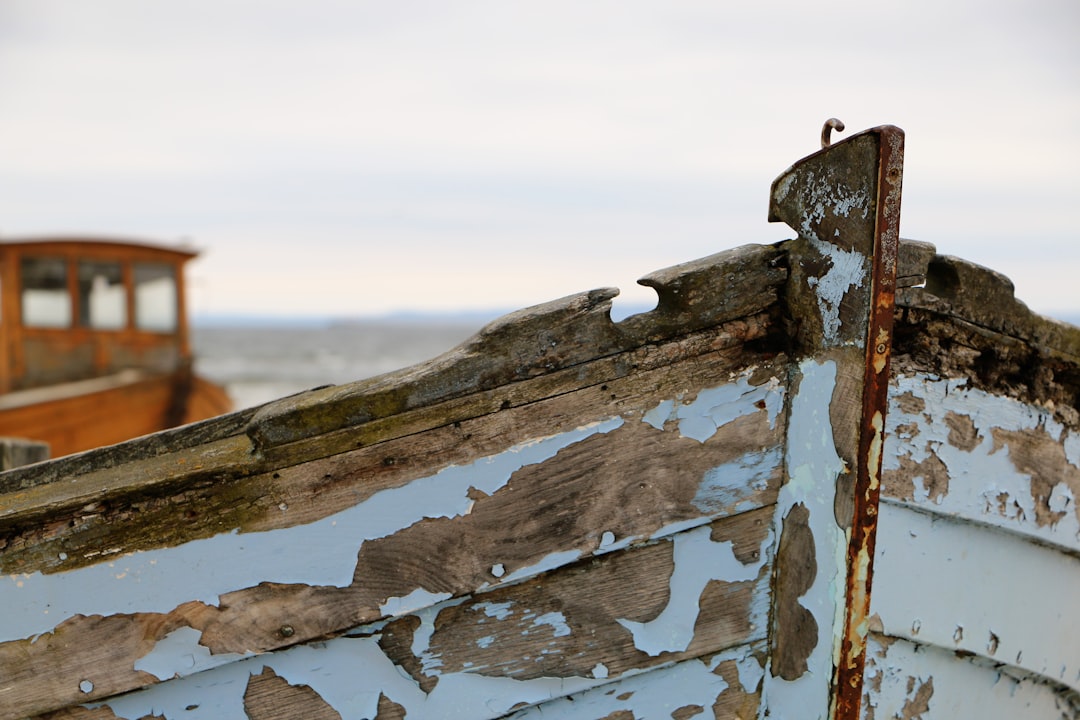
[569,624]
[626,482]
[587,600]
[269,697]
[719,690]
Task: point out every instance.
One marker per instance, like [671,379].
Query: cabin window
[155,297]
[46,301]
[102,296]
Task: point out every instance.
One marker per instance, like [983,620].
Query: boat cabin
[94,345]
[73,309]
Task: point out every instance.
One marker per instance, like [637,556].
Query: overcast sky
[343,157]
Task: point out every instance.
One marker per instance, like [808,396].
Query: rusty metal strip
[860,554]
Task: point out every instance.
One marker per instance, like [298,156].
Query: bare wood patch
[1040,456]
[80,713]
[735,701]
[269,697]
[962,431]
[900,483]
[567,622]
[796,631]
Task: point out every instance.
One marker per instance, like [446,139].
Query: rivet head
[881,348]
[286,631]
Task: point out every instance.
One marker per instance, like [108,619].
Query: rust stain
[875,401]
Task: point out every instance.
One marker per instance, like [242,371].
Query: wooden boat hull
[79,416]
[674,516]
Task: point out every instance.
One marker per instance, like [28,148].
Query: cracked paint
[330,670]
[847,270]
[963,452]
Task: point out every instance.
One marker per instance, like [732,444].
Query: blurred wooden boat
[94,343]
[834,477]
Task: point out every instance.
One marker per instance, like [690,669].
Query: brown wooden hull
[81,416]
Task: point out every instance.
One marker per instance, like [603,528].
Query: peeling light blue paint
[715,407]
[179,653]
[813,466]
[499,611]
[697,561]
[349,674]
[556,620]
[202,570]
[731,485]
[421,641]
[653,694]
[660,414]
[847,270]
[485,641]
[985,485]
[416,600]
[607,539]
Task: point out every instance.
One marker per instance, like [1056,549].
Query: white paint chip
[600,671]
[498,570]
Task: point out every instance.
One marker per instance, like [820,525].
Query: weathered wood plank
[313,491]
[726,686]
[538,340]
[697,593]
[269,697]
[225,454]
[983,297]
[541,502]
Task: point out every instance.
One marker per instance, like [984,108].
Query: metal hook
[826,131]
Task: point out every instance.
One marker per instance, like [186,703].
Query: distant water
[259,363]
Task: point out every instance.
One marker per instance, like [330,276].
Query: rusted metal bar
[860,555]
[844,202]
